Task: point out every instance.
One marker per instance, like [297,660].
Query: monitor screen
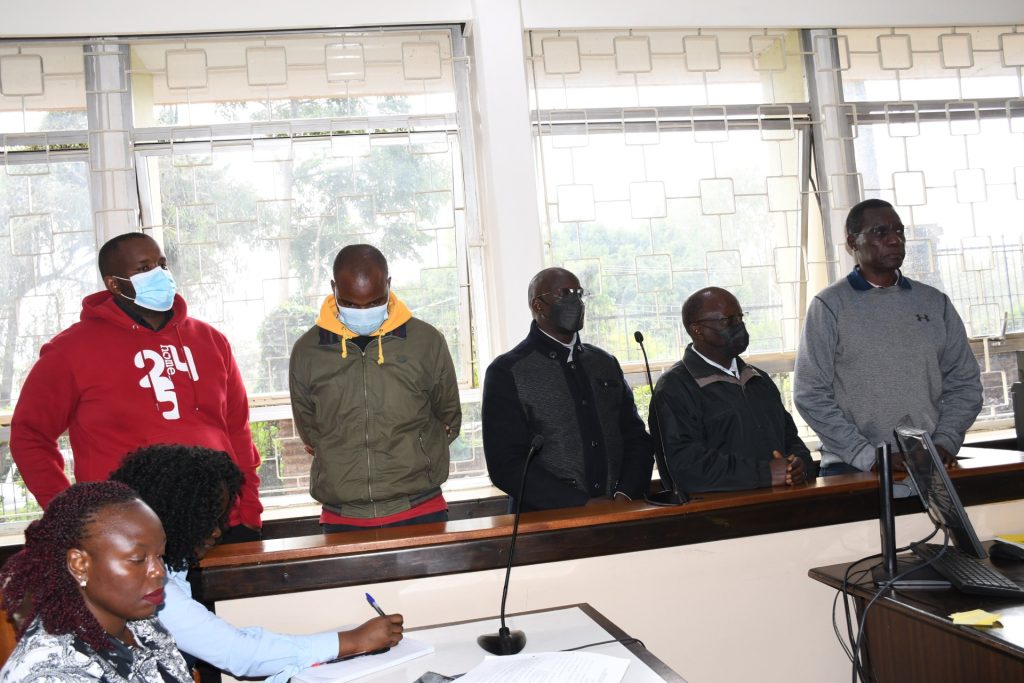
[936,490]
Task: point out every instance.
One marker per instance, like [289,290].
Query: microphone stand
[507,642]
[669,494]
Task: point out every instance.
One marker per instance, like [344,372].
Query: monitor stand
[921,579]
[892,565]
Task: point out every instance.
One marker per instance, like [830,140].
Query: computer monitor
[936,490]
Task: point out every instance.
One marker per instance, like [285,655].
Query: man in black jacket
[575,396]
[722,421]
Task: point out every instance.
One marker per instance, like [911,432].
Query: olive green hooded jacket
[379,420]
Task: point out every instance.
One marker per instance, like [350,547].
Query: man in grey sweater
[878,347]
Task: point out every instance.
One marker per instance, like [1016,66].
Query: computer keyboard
[968,574]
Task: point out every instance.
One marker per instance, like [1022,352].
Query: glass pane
[664,67]
[42,88]
[251,242]
[957,195]
[207,81]
[47,263]
[930,64]
[655,231]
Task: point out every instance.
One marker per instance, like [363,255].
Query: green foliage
[264,436]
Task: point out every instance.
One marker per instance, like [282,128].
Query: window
[260,157]
[253,160]
[936,118]
[672,160]
[47,243]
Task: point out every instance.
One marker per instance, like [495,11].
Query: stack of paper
[564,667]
[350,669]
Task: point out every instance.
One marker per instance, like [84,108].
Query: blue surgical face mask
[154,289]
[363,321]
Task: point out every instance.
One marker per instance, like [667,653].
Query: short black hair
[359,256]
[184,485]
[111,247]
[855,219]
[694,303]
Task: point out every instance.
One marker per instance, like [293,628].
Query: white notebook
[340,672]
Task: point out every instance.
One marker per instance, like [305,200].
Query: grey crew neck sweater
[870,357]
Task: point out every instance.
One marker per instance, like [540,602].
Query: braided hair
[185,486]
[37,577]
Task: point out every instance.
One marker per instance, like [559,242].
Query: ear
[851,241]
[112,285]
[78,564]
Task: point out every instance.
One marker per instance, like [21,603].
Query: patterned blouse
[44,658]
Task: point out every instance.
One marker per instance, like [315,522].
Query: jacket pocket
[426,458]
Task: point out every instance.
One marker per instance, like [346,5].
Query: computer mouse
[1006,551]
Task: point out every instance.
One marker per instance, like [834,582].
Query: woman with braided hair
[192,489]
[86,587]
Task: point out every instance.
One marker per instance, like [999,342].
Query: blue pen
[374,605]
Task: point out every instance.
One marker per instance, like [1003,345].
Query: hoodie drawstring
[380,347]
[192,374]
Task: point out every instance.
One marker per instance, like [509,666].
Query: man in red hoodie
[136,370]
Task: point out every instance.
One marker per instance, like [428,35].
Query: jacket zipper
[366,435]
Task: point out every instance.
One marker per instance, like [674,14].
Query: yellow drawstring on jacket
[380,347]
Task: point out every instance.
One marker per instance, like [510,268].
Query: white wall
[728,611]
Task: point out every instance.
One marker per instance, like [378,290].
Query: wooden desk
[320,561]
[547,630]
[910,637]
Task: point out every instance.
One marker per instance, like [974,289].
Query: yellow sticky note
[976,617]
[1012,538]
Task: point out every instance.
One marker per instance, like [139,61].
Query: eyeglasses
[880,232]
[567,292]
[729,321]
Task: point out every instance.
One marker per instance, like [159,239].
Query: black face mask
[735,339]
[567,313]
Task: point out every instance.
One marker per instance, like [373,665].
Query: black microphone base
[666,498]
[504,642]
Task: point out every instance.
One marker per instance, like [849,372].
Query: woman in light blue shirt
[192,489]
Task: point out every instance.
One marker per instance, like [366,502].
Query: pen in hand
[374,605]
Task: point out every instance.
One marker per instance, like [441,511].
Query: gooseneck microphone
[507,642]
[669,493]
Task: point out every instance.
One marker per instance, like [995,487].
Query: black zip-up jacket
[719,432]
[595,443]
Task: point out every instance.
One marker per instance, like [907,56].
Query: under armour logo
[921,318]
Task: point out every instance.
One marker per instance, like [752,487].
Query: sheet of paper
[543,667]
[1012,538]
[976,617]
[340,672]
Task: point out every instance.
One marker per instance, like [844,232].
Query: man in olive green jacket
[375,401]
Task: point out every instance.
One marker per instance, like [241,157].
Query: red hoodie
[116,385]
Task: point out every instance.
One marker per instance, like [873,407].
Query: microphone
[507,642]
[669,493]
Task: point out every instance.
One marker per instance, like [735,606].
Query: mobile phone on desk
[358,654]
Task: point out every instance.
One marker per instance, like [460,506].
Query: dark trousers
[441,516]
